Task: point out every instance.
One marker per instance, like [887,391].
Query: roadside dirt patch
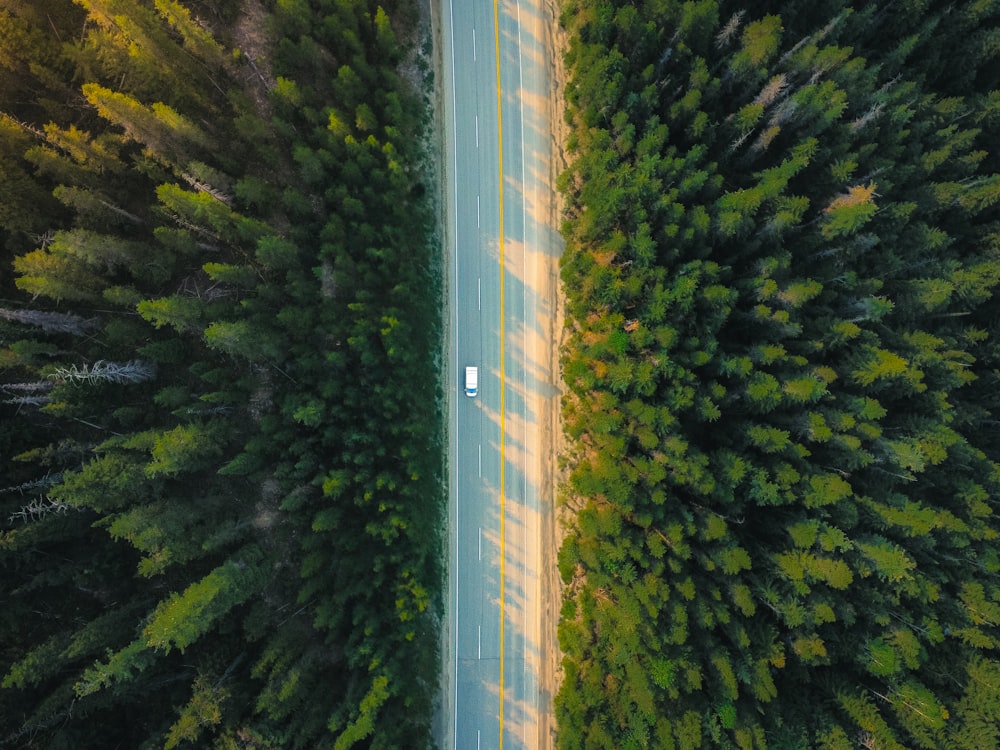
[552,439]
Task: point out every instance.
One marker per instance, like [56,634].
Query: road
[502,257]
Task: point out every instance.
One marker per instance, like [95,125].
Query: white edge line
[454,115]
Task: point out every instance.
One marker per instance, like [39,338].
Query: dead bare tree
[53,322]
[39,508]
[103,371]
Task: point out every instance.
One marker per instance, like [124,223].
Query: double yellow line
[503,413]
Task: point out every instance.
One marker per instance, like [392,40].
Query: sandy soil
[552,435]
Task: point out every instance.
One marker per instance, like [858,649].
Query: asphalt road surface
[493,649]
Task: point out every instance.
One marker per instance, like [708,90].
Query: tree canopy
[220,431]
[781,376]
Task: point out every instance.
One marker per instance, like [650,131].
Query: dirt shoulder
[552,436]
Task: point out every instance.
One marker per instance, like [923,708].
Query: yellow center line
[503,432]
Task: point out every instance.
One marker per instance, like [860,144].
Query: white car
[471,381]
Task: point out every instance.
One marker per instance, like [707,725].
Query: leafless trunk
[135,371]
[53,322]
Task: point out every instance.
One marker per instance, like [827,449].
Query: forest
[782,375]
[220,433]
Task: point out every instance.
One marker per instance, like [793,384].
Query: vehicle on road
[471,381]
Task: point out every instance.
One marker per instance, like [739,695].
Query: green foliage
[168,553]
[780,406]
[241,338]
[183,314]
[182,619]
[185,448]
[202,711]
